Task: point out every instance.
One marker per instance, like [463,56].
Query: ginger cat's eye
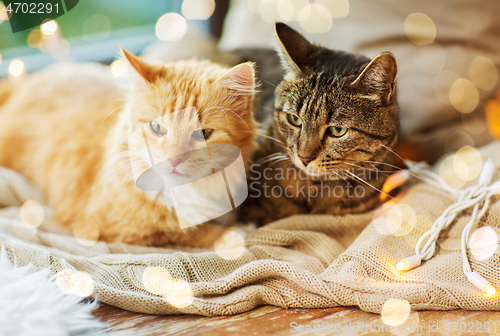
[157,128]
[200,135]
[294,120]
[336,131]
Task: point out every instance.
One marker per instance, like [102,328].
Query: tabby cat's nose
[305,160]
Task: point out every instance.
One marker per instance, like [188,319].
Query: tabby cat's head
[334,109]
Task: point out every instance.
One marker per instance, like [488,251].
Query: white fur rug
[31,304]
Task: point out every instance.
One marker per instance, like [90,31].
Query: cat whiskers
[368,184]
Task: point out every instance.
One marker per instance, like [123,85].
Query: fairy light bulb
[409,263]
[481,283]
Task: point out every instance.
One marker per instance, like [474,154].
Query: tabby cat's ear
[377,81]
[293,49]
[241,80]
[142,68]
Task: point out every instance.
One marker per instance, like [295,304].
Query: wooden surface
[268,320]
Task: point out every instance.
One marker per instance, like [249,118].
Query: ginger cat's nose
[175,161]
[305,160]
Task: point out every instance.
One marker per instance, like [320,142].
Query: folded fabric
[306,261]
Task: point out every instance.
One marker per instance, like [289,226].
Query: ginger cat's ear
[241,79]
[293,49]
[142,68]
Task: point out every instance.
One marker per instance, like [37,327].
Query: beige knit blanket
[308,261]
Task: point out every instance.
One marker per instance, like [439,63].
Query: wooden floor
[268,320]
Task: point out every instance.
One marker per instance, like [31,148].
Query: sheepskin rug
[31,304]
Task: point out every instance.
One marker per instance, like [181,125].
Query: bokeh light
[430,58]
[230,246]
[387,219]
[74,282]
[49,27]
[86,233]
[463,95]
[268,10]
[198,9]
[32,213]
[1,58]
[119,68]
[448,173]
[409,326]
[395,312]
[483,73]
[96,28]
[170,27]
[338,8]
[315,19]
[467,163]
[34,38]
[483,243]
[179,293]
[493,117]
[285,10]
[16,68]
[420,29]
[441,85]
[156,280]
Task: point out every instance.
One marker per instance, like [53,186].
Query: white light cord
[471,196]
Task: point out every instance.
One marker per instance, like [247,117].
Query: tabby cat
[68,131]
[334,129]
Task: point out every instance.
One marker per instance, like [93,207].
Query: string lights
[471,196]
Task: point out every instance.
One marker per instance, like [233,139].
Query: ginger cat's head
[179,109]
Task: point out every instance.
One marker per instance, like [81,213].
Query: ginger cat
[67,129]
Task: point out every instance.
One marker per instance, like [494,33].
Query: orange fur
[61,126]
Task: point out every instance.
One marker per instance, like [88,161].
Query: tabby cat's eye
[336,131]
[294,120]
[202,134]
[157,128]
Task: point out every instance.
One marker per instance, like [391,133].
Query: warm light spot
[493,117]
[49,27]
[430,58]
[285,10]
[170,27]
[400,266]
[86,233]
[119,68]
[96,28]
[338,8]
[490,291]
[395,312]
[268,10]
[75,282]
[32,213]
[420,29]
[467,163]
[448,175]
[156,280]
[34,38]
[198,9]
[315,19]
[179,293]
[463,95]
[395,180]
[298,5]
[442,83]
[16,68]
[230,246]
[483,243]
[483,73]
